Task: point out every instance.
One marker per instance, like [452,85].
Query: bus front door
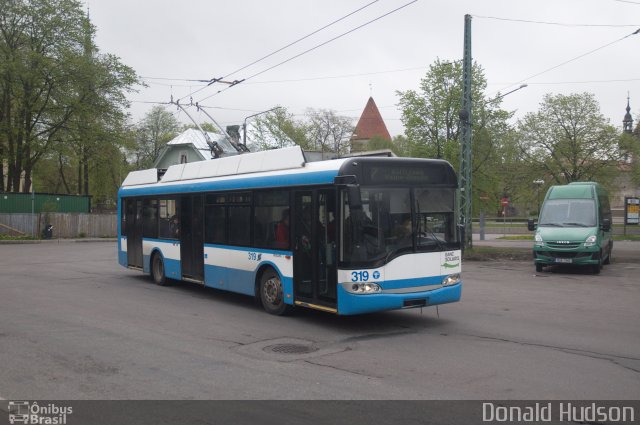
[134,232]
[314,248]
[191,238]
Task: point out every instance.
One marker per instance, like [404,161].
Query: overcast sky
[204,39]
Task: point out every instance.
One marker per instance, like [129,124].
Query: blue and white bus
[346,236]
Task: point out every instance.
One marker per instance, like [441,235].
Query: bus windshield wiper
[576,224]
[435,238]
[550,224]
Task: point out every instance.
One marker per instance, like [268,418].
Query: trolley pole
[464,175]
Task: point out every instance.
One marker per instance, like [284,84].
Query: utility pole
[464,175]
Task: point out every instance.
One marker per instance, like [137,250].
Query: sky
[206,39]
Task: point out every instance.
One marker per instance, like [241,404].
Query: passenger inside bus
[282,230]
[175,226]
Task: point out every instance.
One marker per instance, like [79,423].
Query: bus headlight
[539,240]
[362,288]
[591,240]
[452,279]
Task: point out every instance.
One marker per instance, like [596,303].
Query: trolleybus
[346,236]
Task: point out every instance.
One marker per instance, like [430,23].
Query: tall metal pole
[464,175]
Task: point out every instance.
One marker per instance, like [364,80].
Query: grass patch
[17,238]
[516,238]
[530,238]
[635,238]
[492,253]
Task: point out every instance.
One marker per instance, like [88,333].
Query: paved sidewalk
[55,241]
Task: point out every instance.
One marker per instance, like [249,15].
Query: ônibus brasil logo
[26,412]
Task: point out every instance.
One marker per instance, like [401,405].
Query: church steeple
[627,122]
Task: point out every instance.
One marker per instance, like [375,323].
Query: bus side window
[215,224]
[150,218]
[125,204]
[271,217]
[167,210]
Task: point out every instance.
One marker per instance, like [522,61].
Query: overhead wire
[564,24]
[213,80]
[300,39]
[571,60]
[314,48]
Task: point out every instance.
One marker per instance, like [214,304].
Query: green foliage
[569,140]
[155,130]
[320,130]
[62,102]
[430,115]
[328,131]
[276,129]
[432,128]
[206,126]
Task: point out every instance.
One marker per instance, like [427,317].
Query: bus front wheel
[157,270]
[272,293]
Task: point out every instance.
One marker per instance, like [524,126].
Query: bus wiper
[435,238]
[550,224]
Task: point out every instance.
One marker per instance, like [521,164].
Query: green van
[574,227]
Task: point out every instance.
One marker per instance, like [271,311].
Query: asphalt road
[75,325]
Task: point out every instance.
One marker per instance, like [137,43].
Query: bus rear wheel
[272,293]
[157,270]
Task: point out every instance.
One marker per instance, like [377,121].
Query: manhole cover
[290,349]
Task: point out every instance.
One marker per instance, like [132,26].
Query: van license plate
[563,260]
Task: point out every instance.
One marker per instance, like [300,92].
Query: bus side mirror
[606,224]
[531,224]
[355,201]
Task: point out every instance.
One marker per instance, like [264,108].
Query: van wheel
[608,260]
[597,268]
[539,267]
[157,270]
[272,293]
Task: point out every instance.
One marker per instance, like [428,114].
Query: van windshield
[568,213]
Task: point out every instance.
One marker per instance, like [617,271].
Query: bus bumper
[349,303]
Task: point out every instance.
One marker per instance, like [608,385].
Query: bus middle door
[314,268]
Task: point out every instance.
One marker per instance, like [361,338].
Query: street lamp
[538,183]
[244,126]
[509,92]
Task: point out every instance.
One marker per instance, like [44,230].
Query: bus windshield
[568,213]
[394,221]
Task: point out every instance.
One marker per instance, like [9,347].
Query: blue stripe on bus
[234,280]
[349,303]
[122,258]
[243,281]
[156,240]
[243,248]
[281,180]
[409,283]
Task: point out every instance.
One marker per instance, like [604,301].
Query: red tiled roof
[370,124]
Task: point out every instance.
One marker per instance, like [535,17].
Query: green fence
[12,203]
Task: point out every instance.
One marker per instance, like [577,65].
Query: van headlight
[452,279]
[362,288]
[538,239]
[591,240]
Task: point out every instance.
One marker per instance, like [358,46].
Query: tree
[432,127]
[58,95]
[430,115]
[569,140]
[328,132]
[320,130]
[155,130]
[276,129]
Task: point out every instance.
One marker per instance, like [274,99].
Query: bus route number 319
[364,275]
